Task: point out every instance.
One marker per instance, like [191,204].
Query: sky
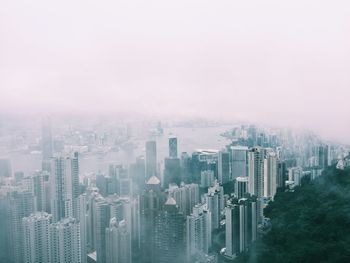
[272,61]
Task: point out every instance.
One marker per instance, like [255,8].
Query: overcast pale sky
[282,62]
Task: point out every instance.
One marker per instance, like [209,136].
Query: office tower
[101,217]
[270,174]
[223,167]
[5,168]
[150,204]
[64,181]
[241,225]
[198,231]
[20,204]
[151,159]
[137,173]
[186,196]
[173,147]
[65,241]
[40,181]
[256,158]
[185,162]
[118,242]
[36,237]
[169,234]
[172,172]
[47,144]
[239,161]
[241,187]
[82,218]
[207,178]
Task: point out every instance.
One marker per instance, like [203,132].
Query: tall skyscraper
[46,144]
[36,237]
[40,181]
[65,241]
[21,204]
[82,218]
[256,157]
[239,161]
[172,171]
[241,225]
[118,242]
[151,159]
[150,204]
[64,187]
[223,167]
[101,218]
[198,231]
[173,147]
[270,174]
[169,234]
[215,203]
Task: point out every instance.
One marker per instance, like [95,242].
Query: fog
[278,62]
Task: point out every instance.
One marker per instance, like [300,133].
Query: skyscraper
[173,147]
[223,167]
[151,159]
[256,157]
[169,234]
[118,242]
[241,225]
[36,237]
[40,181]
[270,174]
[64,187]
[198,231]
[21,204]
[47,145]
[150,204]
[172,171]
[65,241]
[239,161]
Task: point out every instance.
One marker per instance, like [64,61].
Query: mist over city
[174,131]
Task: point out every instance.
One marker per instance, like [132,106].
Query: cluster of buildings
[140,213]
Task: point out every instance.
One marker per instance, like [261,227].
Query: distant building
[64,182]
[224,167]
[173,147]
[239,161]
[186,196]
[151,159]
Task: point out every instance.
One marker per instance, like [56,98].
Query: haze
[279,62]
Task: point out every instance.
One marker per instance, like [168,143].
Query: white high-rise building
[215,203]
[65,241]
[118,242]
[256,157]
[239,161]
[36,237]
[270,175]
[198,231]
[64,181]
